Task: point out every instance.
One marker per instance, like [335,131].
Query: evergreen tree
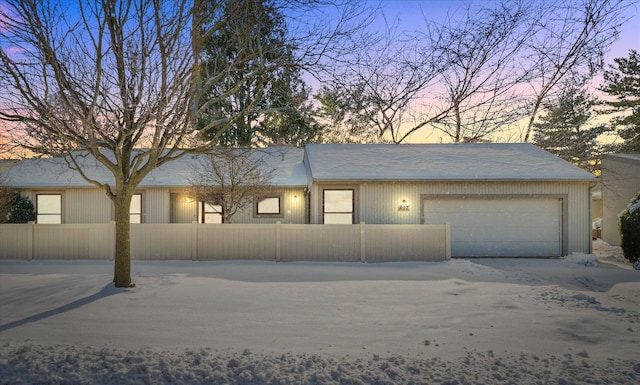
[292,120]
[274,86]
[21,210]
[623,82]
[565,130]
[346,116]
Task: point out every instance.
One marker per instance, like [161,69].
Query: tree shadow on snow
[107,291]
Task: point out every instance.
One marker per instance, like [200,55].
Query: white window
[268,206]
[338,206]
[49,208]
[209,213]
[135,209]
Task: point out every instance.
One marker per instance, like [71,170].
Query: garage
[500,226]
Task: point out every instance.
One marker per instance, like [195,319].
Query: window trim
[202,213]
[38,213]
[276,195]
[354,200]
[141,213]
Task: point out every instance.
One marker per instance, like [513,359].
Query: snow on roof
[479,161]
[55,172]
[469,161]
[629,158]
[286,161]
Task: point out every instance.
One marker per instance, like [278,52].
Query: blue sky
[411,14]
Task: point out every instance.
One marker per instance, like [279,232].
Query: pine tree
[292,120]
[274,85]
[565,130]
[623,82]
[21,210]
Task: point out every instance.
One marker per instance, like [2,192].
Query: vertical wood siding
[379,202]
[294,210]
[89,205]
[86,206]
[155,203]
[184,209]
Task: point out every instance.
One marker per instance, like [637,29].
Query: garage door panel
[490,235]
[513,219]
[506,249]
[500,227]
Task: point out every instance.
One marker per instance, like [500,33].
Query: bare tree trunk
[532,119]
[122,263]
[458,131]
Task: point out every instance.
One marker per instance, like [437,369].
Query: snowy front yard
[460,321]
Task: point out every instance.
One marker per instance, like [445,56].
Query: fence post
[363,243]
[30,240]
[278,240]
[447,240]
[194,241]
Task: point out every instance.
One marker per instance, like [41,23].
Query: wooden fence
[208,242]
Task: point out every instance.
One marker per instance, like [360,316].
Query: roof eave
[457,180]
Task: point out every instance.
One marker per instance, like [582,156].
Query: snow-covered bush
[589,260]
[630,232]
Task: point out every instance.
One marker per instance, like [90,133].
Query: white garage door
[517,227]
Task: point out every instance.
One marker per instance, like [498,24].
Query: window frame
[256,204]
[138,214]
[49,215]
[353,211]
[202,213]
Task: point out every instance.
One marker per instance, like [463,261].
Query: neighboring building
[596,211]
[502,200]
[620,183]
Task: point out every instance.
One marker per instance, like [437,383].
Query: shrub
[21,210]
[629,227]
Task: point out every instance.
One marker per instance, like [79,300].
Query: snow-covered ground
[486,321]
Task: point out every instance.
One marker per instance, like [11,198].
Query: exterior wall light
[404,205]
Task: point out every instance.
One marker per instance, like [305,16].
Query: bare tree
[119,82]
[570,40]
[480,74]
[377,88]
[457,76]
[343,119]
[232,178]
[481,71]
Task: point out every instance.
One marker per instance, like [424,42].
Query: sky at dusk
[412,13]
